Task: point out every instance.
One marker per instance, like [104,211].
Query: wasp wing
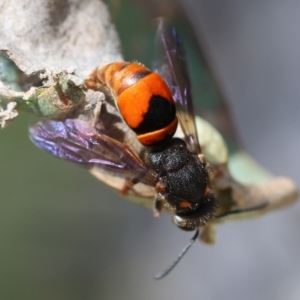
[174,70]
[77,141]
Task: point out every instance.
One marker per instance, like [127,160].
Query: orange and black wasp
[151,104]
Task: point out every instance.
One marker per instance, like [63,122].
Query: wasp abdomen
[144,100]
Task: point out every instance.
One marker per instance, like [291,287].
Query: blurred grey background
[64,235]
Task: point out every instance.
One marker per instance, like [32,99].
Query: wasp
[148,107]
[151,106]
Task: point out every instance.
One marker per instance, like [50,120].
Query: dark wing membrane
[76,141]
[174,70]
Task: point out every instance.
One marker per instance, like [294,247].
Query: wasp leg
[127,186]
[97,112]
[158,205]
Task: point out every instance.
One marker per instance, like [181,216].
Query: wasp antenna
[179,257]
[243,210]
